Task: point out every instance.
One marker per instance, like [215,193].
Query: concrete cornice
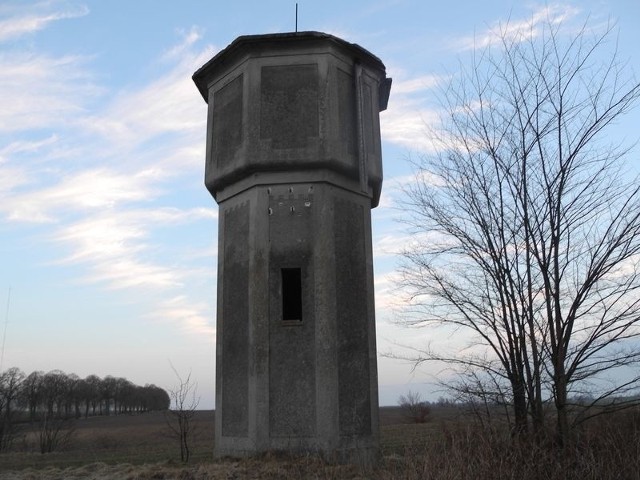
[245,43]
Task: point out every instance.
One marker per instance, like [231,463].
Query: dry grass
[130,439]
[447,448]
[264,467]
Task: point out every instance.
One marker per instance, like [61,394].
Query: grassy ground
[132,439]
[448,447]
[127,446]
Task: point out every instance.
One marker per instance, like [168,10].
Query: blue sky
[109,238]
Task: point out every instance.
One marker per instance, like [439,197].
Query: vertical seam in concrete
[362,147]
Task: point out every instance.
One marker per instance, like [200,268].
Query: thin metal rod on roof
[296,17]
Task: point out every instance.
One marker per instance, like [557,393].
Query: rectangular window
[291,294]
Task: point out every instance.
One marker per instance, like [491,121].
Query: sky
[108,237]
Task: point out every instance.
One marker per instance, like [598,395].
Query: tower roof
[274,40]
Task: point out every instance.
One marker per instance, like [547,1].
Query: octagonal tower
[294,162]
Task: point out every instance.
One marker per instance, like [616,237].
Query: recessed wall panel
[352,322]
[292,368]
[289,105]
[227,121]
[235,328]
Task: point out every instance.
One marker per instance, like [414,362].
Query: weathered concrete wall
[294,161]
[293,102]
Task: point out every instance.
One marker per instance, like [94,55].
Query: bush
[54,433]
[414,408]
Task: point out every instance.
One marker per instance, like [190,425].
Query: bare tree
[54,432]
[154,398]
[528,231]
[10,384]
[109,387]
[54,388]
[59,395]
[414,408]
[94,388]
[71,396]
[179,419]
[31,393]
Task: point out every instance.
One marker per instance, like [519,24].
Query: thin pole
[296,17]
[4,335]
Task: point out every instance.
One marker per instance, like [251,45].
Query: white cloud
[26,146]
[113,167]
[168,105]
[38,17]
[407,123]
[39,91]
[14,175]
[192,317]
[407,119]
[122,234]
[388,295]
[11,178]
[189,38]
[390,245]
[518,30]
[80,192]
[118,249]
[125,273]
[418,84]
[108,237]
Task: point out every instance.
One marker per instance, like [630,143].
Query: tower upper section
[304,105]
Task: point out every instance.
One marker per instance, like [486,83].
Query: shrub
[414,408]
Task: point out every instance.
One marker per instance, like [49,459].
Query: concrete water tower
[294,162]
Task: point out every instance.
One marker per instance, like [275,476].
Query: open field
[145,438]
[114,439]
[138,447]
[125,446]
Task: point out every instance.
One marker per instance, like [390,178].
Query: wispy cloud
[10,179]
[192,318]
[390,245]
[518,30]
[416,85]
[84,191]
[38,17]
[406,123]
[388,295]
[410,121]
[40,91]
[189,38]
[169,105]
[407,118]
[109,200]
[22,146]
[118,250]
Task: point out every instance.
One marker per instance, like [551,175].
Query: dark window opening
[291,294]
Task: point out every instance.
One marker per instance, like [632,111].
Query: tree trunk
[521,426]
[562,428]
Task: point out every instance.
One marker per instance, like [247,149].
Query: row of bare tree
[53,399]
[58,394]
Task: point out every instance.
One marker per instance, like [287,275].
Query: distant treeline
[59,395]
